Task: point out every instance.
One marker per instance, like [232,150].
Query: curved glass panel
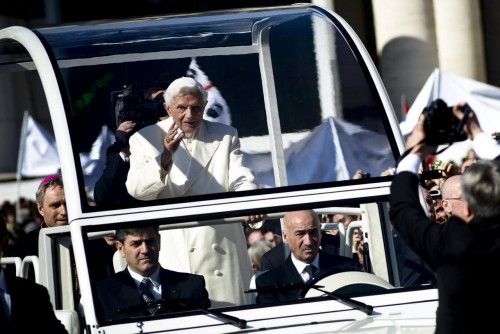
[289,81]
[350,241]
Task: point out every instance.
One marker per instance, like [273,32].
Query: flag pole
[20,155]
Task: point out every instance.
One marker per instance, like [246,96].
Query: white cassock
[209,163]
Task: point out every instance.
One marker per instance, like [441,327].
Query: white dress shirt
[154,278]
[484,145]
[300,266]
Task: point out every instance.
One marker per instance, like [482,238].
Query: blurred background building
[406,39]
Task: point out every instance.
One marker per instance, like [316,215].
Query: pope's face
[187,111]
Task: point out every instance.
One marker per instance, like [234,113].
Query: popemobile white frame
[394,311]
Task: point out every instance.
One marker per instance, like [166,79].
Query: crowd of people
[195,268]
[23,224]
[19,296]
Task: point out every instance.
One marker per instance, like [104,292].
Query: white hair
[182,86]
[481,188]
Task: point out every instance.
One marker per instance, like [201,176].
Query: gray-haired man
[464,251]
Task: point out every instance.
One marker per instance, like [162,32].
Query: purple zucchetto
[48,179]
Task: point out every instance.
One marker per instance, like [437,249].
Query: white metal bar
[15,260]
[31,259]
[272,111]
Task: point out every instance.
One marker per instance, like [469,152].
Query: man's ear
[40,209]
[284,237]
[119,247]
[167,108]
[469,213]
[446,206]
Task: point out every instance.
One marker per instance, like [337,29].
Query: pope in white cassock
[186,155]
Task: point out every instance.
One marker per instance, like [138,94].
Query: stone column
[406,46]
[326,63]
[460,38]
[490,10]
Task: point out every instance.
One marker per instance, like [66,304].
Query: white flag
[38,150]
[93,162]
[217,109]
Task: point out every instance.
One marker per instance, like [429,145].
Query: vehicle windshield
[299,121]
[190,275]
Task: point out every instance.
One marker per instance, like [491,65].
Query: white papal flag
[93,163]
[217,109]
[37,150]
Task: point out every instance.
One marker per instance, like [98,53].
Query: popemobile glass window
[290,83]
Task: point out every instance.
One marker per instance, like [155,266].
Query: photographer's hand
[471,127]
[124,130]
[416,142]
[170,144]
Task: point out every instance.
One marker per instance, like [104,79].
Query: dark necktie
[311,270]
[146,289]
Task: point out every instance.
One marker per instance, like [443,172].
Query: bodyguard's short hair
[122,234]
[181,86]
[481,188]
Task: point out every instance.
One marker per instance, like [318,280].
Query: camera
[441,126]
[131,104]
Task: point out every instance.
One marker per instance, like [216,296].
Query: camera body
[441,126]
[130,104]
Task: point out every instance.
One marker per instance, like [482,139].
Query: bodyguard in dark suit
[465,250]
[274,257]
[30,306]
[110,190]
[302,234]
[144,288]
[24,304]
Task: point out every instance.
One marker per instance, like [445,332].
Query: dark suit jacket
[119,298]
[286,274]
[110,190]
[464,257]
[274,257]
[31,308]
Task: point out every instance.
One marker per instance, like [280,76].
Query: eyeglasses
[435,193]
[455,198]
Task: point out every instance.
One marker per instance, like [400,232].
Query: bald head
[453,202]
[302,234]
[451,187]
